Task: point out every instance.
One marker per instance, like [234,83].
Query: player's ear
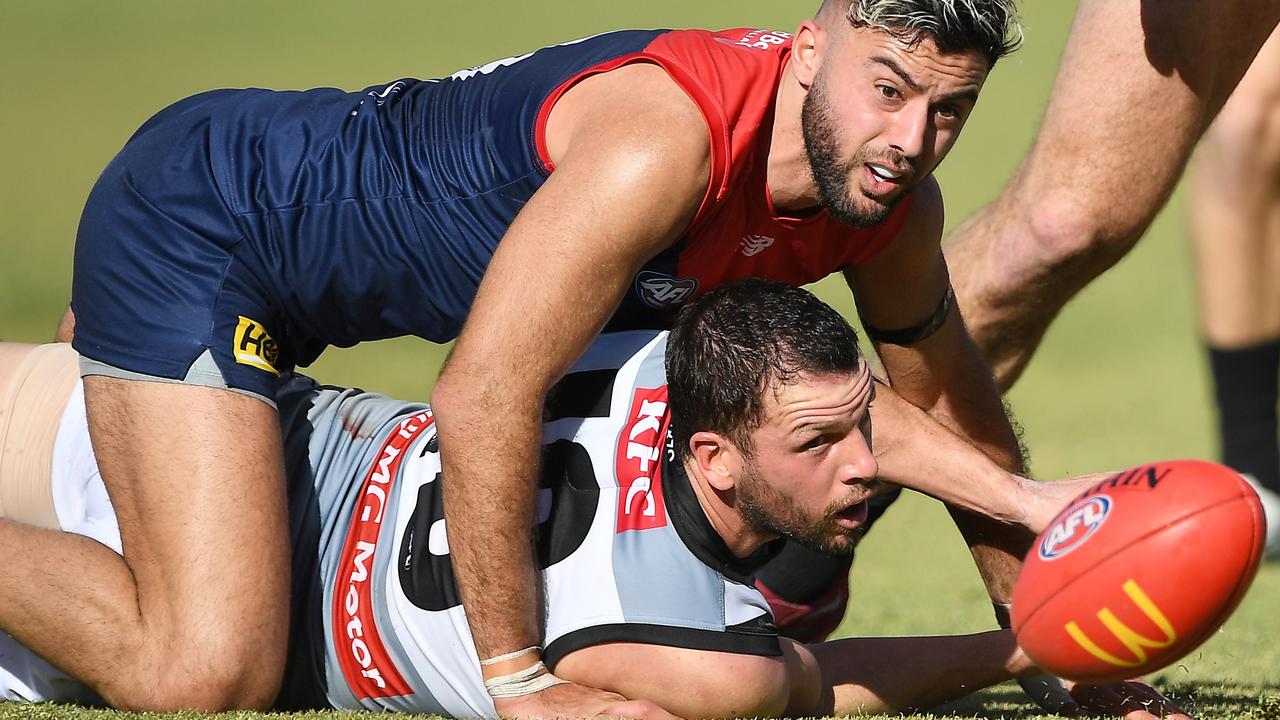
[806,51]
[718,459]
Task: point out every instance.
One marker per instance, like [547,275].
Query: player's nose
[858,463]
[909,130]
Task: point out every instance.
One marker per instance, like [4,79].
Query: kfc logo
[639,462]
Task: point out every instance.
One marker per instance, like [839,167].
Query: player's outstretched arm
[938,368]
[866,676]
[896,674]
[854,676]
[694,683]
[915,451]
[632,163]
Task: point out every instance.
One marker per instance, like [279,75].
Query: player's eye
[888,92]
[816,443]
[948,112]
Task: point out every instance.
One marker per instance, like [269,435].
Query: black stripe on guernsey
[747,643]
[583,394]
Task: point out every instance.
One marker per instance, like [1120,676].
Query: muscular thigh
[197,480]
[1136,68]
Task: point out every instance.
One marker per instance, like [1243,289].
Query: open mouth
[885,173]
[882,181]
[852,517]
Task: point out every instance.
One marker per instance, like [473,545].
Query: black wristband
[914,334]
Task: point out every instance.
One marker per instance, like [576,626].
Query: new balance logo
[755,244]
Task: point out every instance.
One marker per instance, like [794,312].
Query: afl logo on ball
[1074,527]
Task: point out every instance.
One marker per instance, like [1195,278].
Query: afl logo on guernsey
[1075,525]
[663,292]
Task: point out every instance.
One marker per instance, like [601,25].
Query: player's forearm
[490,456]
[997,511]
[916,451]
[889,675]
[946,377]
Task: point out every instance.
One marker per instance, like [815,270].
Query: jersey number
[567,503]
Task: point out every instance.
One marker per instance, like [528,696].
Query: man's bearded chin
[765,510]
[830,176]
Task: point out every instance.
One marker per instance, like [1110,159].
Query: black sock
[1245,385]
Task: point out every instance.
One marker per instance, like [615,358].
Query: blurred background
[1119,380]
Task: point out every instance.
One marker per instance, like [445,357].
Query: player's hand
[1050,498]
[1131,700]
[578,701]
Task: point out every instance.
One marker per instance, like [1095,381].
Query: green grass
[1119,380]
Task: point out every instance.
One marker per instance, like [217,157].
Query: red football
[1138,571]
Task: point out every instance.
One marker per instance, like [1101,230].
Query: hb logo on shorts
[255,347]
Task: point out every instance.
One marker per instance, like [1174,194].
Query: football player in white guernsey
[673,465]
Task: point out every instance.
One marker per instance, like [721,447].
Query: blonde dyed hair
[990,27]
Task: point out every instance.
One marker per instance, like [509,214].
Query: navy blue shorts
[165,288]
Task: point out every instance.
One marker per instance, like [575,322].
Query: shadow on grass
[1206,699]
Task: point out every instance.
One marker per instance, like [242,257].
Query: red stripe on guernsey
[365,664]
[717,127]
[639,462]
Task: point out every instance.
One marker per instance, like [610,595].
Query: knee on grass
[197,681]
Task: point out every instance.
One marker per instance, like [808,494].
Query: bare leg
[66,327]
[196,612]
[1235,212]
[1139,83]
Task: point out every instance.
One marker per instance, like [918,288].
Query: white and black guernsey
[626,552]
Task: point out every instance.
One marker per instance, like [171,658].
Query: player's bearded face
[766,510]
[837,177]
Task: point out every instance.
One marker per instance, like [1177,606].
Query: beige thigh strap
[34,398]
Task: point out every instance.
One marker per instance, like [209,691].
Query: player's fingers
[1156,703]
[1137,701]
[1105,701]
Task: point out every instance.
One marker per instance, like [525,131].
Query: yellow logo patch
[255,347]
[1133,642]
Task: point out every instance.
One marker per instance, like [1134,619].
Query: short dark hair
[730,346]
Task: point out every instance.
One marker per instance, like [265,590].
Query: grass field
[1120,379]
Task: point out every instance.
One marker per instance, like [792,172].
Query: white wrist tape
[509,656]
[533,679]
